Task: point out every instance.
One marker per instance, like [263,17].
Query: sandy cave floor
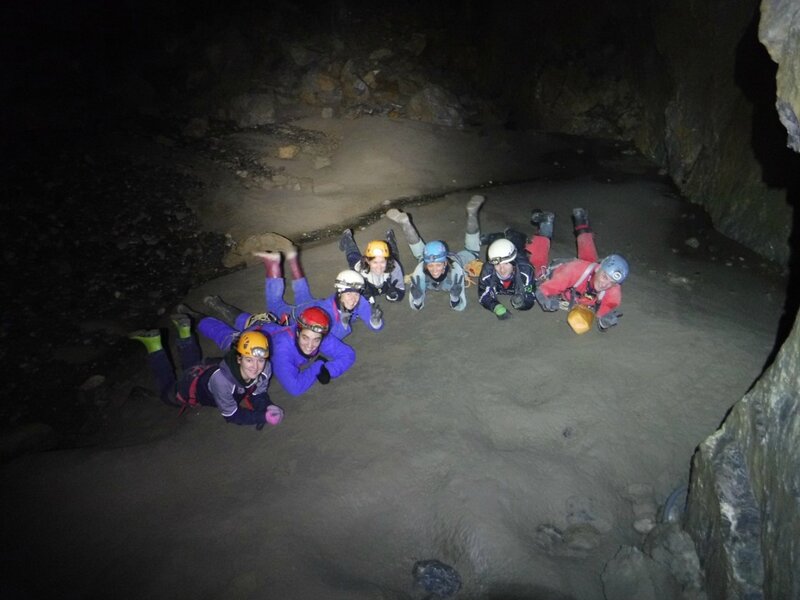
[455,436]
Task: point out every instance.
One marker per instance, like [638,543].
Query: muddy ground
[508,450]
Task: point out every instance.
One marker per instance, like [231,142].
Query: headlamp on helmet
[349,281]
[314,319]
[615,267]
[253,343]
[377,248]
[434,252]
[501,251]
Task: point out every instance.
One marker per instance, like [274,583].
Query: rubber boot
[401,218]
[544,221]
[473,206]
[151,338]
[183,324]
[272,262]
[394,251]
[294,264]
[537,216]
[347,244]
[580,221]
[488,238]
[185,309]
[228,312]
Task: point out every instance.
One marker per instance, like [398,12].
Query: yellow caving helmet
[253,343]
[377,248]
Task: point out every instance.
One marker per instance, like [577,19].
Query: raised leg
[412,235]
[473,206]
[226,311]
[218,332]
[539,254]
[584,238]
[348,245]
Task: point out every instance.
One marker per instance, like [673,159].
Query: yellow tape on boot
[580,318]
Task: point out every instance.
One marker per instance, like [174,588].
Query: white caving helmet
[501,251]
[349,281]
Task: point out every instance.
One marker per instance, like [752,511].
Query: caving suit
[572,280]
[296,373]
[521,286]
[341,320]
[390,284]
[213,382]
[455,269]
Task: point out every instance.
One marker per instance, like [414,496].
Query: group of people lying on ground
[302,345]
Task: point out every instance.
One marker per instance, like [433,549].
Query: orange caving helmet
[253,343]
[377,248]
[315,319]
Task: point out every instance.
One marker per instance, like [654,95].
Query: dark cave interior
[80,75]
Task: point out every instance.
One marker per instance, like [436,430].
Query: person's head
[501,254]
[252,352]
[377,256]
[434,255]
[349,284]
[613,270]
[312,325]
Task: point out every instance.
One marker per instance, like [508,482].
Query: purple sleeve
[340,356]
[287,363]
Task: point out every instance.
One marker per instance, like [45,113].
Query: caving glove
[416,293]
[608,320]
[416,288]
[501,312]
[323,376]
[274,414]
[548,303]
[392,292]
[456,288]
[376,316]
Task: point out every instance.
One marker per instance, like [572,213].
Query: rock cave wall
[743,509]
[688,82]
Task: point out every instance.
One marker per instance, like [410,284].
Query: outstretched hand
[501,312]
[608,320]
[376,315]
[457,287]
[392,293]
[274,414]
[323,376]
[548,303]
[416,288]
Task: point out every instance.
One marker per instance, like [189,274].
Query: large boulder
[743,510]
[433,104]
[250,110]
[778,31]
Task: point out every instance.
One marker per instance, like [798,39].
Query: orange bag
[580,318]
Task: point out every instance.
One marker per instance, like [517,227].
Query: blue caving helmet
[616,267]
[434,252]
